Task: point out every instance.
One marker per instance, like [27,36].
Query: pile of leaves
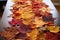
[31,20]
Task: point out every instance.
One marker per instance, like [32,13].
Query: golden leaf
[39,1]
[27,15]
[39,22]
[27,21]
[33,34]
[44,9]
[53,29]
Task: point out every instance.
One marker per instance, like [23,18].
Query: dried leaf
[53,29]
[33,34]
[9,33]
[27,21]
[39,22]
[27,15]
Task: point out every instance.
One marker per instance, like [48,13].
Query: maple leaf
[44,9]
[39,22]
[53,29]
[27,15]
[33,34]
[27,21]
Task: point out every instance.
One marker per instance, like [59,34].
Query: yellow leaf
[33,34]
[44,9]
[27,15]
[27,21]
[38,1]
[53,29]
[39,22]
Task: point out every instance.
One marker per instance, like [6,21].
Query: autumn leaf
[27,15]
[27,21]
[33,34]
[39,22]
[53,29]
